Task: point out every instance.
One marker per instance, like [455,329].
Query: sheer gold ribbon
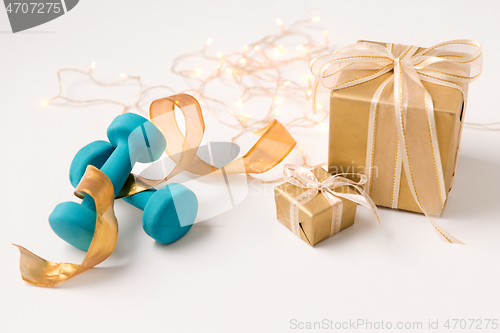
[272,147]
[41,272]
[449,64]
[303,177]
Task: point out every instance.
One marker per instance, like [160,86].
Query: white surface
[241,271]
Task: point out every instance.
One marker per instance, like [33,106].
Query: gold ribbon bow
[451,64]
[303,177]
[272,147]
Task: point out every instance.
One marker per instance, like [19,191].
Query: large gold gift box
[315,216]
[348,138]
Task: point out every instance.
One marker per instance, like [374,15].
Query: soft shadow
[129,228]
[363,224]
[475,198]
[92,277]
[198,232]
[475,195]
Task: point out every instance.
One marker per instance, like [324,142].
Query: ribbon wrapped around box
[396,115]
[315,205]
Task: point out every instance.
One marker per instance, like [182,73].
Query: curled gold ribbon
[272,147]
[451,64]
[303,177]
[41,272]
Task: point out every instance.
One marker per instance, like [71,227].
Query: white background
[241,271]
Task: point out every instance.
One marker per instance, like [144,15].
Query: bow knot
[304,178]
[448,63]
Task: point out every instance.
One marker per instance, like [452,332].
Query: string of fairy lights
[258,72]
[263,63]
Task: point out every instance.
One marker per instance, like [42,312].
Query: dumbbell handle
[132,139]
[121,157]
[139,200]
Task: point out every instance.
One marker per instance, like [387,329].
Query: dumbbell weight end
[169,213]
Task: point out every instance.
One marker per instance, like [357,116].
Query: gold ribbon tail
[40,272]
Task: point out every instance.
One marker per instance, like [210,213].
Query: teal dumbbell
[169,212]
[133,139]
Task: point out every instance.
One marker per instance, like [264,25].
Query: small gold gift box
[317,217]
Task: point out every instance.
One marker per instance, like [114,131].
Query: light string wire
[257,71]
[484,126]
[263,63]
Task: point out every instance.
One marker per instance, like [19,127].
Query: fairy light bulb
[250,60]
[325,34]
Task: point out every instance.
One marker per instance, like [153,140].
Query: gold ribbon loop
[272,147]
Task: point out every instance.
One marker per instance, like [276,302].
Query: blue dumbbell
[169,212]
[134,139]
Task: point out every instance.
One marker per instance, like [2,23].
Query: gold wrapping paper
[349,119]
[348,141]
[315,216]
